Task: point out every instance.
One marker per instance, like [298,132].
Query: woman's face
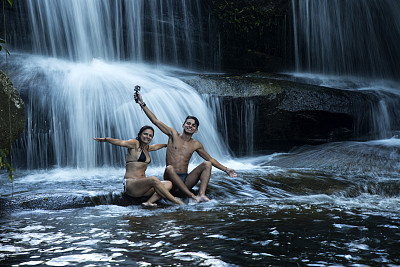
[147,136]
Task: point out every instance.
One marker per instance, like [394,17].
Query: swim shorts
[183,176]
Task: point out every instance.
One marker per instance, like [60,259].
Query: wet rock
[66,201]
[13,109]
[263,112]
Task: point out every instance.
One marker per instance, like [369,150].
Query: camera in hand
[137,89]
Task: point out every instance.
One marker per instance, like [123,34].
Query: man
[180,148]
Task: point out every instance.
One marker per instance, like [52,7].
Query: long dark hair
[144,128]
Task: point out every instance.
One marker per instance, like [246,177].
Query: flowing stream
[333,204]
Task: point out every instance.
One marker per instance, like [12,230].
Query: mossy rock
[11,110]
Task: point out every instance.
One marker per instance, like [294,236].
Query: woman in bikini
[135,181]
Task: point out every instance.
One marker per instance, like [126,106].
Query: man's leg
[178,184]
[202,173]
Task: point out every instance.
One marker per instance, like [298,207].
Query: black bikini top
[142,157]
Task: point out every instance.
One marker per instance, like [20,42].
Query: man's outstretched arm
[164,128]
[203,153]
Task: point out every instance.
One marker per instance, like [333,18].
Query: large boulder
[262,112]
[13,109]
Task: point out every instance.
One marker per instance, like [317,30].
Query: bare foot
[180,202]
[203,198]
[196,198]
[149,205]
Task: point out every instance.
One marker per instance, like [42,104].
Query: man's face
[190,126]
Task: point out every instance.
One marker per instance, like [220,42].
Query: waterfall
[161,31]
[77,81]
[347,37]
[354,44]
[68,104]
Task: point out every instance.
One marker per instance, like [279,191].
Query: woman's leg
[147,186]
[155,196]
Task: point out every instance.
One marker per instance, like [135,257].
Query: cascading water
[352,45]
[81,86]
[164,32]
[242,112]
[70,103]
[347,37]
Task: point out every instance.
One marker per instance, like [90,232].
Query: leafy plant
[4,152]
[4,163]
[244,17]
[2,43]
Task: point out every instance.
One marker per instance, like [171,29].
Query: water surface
[334,204]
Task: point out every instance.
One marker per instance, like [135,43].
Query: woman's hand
[102,140]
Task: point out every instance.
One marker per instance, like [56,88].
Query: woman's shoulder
[133,143]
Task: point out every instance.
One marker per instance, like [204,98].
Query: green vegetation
[245,16]
[2,45]
[252,33]
[4,152]
[4,163]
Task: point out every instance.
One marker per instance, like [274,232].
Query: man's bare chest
[183,148]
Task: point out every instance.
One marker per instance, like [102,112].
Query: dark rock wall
[255,35]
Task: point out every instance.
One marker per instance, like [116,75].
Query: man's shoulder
[196,143]
[173,132]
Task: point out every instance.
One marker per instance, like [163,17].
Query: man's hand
[138,98]
[231,172]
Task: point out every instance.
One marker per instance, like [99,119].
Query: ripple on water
[82,258]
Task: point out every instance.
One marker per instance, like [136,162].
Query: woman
[135,181]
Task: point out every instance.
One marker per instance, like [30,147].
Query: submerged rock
[13,109]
